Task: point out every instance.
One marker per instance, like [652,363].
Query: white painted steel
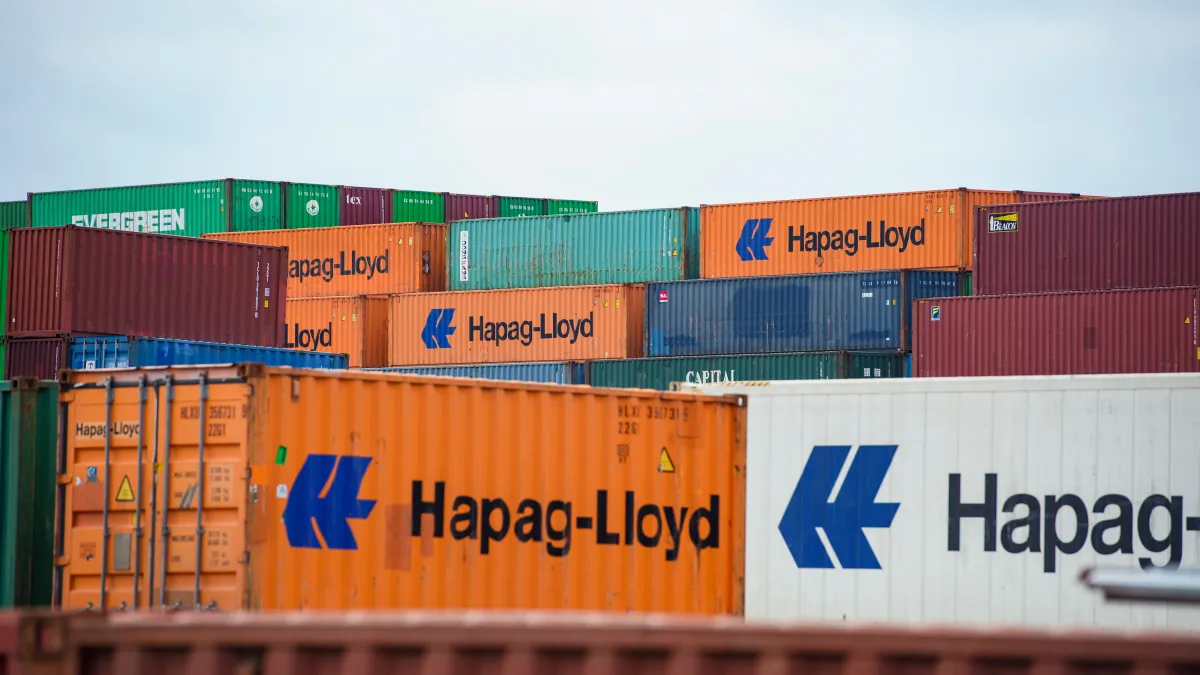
[1091,436]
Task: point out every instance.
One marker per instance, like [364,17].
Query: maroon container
[1088,333]
[86,280]
[365,206]
[36,357]
[1088,245]
[467,207]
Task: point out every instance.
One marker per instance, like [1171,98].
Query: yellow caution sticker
[1187,320]
[125,492]
[665,465]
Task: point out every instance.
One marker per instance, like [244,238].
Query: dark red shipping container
[36,357]
[1088,245]
[467,207]
[86,280]
[1088,333]
[365,206]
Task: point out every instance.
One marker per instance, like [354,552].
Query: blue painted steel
[117,351]
[801,313]
[555,372]
[908,365]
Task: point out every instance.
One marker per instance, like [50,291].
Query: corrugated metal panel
[691,249]
[1089,244]
[40,358]
[575,323]
[582,498]
[358,259]
[257,205]
[804,313]
[116,351]
[560,372]
[4,257]
[357,326]
[3,354]
[1145,331]
[982,499]
[596,248]
[412,206]
[13,214]
[566,207]
[311,205]
[866,365]
[365,206]
[188,209]
[86,280]
[28,455]
[465,207]
[517,207]
[659,373]
[967,285]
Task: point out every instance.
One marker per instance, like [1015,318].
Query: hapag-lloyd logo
[324,269]
[439,326]
[310,339]
[754,238]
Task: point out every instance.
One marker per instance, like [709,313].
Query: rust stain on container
[530,496]
[365,206]
[358,260]
[353,325]
[562,323]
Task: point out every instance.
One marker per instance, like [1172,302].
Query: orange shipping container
[907,230]
[571,323]
[357,326]
[358,259]
[351,490]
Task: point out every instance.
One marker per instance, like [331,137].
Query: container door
[153,510]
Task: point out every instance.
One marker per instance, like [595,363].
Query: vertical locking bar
[108,411]
[166,504]
[200,470]
[137,514]
[153,503]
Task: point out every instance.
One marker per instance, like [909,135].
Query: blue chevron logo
[437,331]
[331,512]
[751,245]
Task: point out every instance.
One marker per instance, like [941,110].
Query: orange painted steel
[571,323]
[907,230]
[442,493]
[358,259]
[357,326]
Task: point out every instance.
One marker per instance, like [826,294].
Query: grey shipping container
[660,373]
[801,313]
[555,372]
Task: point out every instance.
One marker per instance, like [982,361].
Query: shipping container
[3,355]
[86,280]
[597,248]
[968,501]
[311,205]
[534,507]
[365,206]
[39,358]
[660,373]
[186,209]
[359,259]
[558,372]
[1089,244]
[118,351]
[1142,331]
[967,285]
[908,230]
[28,452]
[414,206]
[465,207]
[566,207]
[802,313]
[516,207]
[352,325]
[572,323]
[13,214]
[4,256]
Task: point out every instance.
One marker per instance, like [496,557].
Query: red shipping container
[1088,245]
[86,280]
[468,207]
[1088,333]
[365,206]
[36,357]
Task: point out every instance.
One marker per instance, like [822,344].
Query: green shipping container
[566,207]
[515,207]
[311,205]
[12,214]
[28,429]
[659,373]
[187,209]
[411,206]
[592,248]
[966,284]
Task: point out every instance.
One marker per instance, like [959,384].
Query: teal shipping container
[28,452]
[619,247]
[659,373]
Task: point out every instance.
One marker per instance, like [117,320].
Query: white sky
[635,104]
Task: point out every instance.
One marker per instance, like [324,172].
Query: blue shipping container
[802,313]
[117,351]
[557,372]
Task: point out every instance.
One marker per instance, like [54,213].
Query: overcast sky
[635,104]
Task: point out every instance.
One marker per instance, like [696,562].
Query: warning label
[665,465]
[125,492]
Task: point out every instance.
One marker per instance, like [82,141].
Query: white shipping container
[968,500]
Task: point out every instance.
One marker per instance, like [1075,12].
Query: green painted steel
[862,365]
[257,205]
[516,207]
[691,262]
[12,214]
[966,284]
[593,248]
[412,206]
[659,373]
[565,207]
[28,451]
[311,205]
